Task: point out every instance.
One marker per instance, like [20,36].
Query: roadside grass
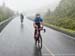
[69,31]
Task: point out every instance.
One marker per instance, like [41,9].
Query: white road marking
[48,50]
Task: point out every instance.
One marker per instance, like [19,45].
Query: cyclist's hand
[35,26]
[41,27]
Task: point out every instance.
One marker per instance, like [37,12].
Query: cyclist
[22,17]
[38,23]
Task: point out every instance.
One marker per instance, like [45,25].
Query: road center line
[48,50]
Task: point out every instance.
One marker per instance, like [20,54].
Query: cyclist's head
[37,15]
[21,14]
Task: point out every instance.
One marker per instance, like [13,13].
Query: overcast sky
[25,5]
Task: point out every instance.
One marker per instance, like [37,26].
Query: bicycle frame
[39,38]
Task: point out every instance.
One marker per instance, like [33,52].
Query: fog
[28,5]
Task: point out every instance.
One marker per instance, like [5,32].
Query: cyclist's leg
[39,30]
[22,20]
[40,39]
[35,32]
[35,37]
[39,36]
[40,33]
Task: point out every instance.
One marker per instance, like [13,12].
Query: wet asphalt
[16,39]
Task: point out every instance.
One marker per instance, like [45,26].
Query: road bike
[38,37]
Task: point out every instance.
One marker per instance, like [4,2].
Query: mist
[30,5]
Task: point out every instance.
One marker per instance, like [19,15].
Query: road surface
[16,39]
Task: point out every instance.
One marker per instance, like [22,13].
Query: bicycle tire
[40,44]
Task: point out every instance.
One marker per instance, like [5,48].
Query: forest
[63,16]
[5,13]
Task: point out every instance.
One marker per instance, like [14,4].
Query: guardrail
[4,23]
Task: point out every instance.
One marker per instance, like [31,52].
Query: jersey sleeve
[41,20]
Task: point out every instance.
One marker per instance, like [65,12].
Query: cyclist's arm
[42,23]
[34,25]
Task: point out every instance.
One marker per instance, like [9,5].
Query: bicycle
[38,37]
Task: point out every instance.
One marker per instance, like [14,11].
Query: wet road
[17,40]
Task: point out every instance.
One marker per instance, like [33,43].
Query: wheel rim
[40,43]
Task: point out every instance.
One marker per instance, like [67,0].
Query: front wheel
[40,42]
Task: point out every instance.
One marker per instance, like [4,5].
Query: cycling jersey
[38,20]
